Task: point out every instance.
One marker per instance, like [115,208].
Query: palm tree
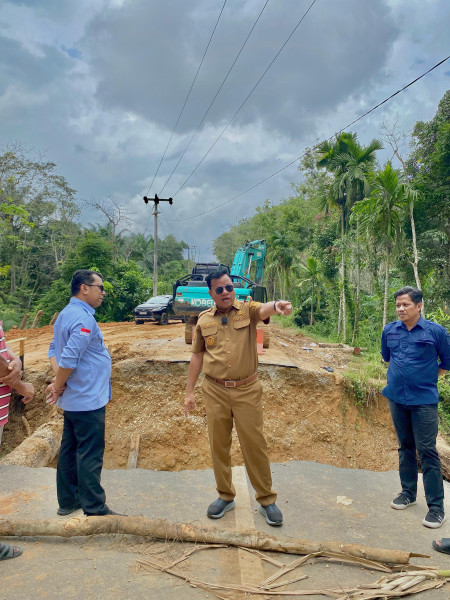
[380,215]
[393,138]
[350,163]
[311,274]
[280,257]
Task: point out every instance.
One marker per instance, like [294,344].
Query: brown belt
[230,383]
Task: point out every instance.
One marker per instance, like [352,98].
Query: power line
[178,223]
[187,97]
[248,96]
[163,218]
[217,93]
[317,145]
[161,225]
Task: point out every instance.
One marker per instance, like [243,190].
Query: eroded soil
[308,413]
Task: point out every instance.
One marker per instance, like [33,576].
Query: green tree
[280,256]
[394,138]
[350,163]
[381,216]
[309,274]
[428,170]
[37,212]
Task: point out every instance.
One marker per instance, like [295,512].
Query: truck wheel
[164,318]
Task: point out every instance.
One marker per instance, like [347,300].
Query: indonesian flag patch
[84,331]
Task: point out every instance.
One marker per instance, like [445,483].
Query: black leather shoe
[273,514]
[67,511]
[219,507]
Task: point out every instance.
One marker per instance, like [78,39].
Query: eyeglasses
[101,287]
[220,288]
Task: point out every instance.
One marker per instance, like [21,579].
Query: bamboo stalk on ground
[165,530]
[399,585]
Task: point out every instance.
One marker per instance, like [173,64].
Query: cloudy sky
[98,86]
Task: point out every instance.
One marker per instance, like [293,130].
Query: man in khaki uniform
[224,347]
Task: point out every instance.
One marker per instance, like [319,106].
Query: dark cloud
[145,55]
[98,88]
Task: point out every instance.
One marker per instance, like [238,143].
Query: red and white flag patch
[85,331]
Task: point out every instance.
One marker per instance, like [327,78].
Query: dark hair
[82,276]
[414,293]
[216,275]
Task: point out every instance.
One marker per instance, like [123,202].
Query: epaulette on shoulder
[205,311]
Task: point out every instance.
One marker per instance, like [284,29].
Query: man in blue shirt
[82,388]
[413,346]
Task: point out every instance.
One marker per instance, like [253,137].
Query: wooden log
[134,450]
[40,448]
[53,319]
[36,319]
[186,532]
[24,321]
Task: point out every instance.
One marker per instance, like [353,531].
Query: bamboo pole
[165,530]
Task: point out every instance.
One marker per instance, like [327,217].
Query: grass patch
[364,379]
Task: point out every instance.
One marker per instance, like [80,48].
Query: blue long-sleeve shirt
[78,344]
[414,357]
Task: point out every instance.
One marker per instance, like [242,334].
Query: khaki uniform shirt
[230,349]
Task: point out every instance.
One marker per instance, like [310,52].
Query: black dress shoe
[67,511]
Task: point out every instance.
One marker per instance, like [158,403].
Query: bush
[10,316]
[128,287]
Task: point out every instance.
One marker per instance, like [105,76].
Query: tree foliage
[42,245]
[350,233]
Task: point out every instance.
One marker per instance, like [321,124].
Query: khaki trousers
[244,405]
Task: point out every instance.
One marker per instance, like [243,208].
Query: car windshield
[157,299]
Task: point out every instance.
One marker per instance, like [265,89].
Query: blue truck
[190,293]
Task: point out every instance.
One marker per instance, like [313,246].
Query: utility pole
[155,213]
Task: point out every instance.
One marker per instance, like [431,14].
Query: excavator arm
[246,255]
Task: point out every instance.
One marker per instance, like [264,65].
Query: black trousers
[417,429]
[80,461]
